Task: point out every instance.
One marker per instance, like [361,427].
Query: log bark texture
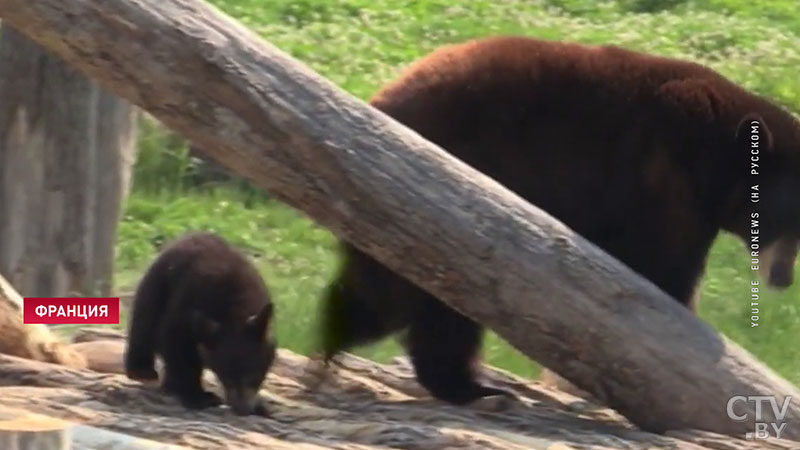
[66,152]
[360,405]
[448,228]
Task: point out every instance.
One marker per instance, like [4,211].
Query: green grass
[360,44]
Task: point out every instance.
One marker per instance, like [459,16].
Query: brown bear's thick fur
[647,157]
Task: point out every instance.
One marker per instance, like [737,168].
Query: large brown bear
[647,157]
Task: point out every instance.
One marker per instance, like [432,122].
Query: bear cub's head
[239,354]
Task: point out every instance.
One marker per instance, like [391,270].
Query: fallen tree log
[33,341]
[362,405]
[415,208]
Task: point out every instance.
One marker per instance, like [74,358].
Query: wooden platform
[358,405]
[24,430]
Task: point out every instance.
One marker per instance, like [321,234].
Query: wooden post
[66,152]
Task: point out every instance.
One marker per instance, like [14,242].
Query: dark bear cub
[203,304]
[649,158]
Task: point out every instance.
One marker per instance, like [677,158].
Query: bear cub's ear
[751,124]
[204,329]
[258,324]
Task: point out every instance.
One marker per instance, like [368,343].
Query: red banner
[71,310]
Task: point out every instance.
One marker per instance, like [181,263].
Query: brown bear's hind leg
[444,347]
